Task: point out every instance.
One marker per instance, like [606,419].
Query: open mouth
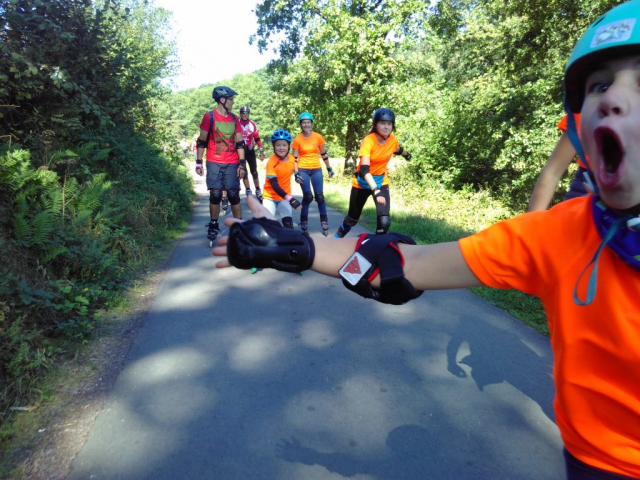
[610,149]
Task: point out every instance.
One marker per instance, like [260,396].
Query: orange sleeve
[562,124]
[366,146]
[270,169]
[508,255]
[296,143]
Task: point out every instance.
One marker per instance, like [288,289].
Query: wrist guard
[264,243]
[296,177]
[294,203]
[379,254]
[198,163]
[408,157]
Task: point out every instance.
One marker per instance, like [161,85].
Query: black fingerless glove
[264,243]
[294,203]
[379,254]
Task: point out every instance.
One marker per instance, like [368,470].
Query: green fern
[21,229]
[51,252]
[42,225]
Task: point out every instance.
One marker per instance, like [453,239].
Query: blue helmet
[305,116]
[281,134]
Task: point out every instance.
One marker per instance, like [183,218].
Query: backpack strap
[210,132]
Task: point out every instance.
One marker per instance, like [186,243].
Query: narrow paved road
[281,376]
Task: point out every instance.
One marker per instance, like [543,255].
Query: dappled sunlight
[146,445]
[356,410]
[168,365]
[253,352]
[399,314]
[317,334]
[184,401]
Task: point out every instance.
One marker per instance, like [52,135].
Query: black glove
[294,203]
[379,253]
[264,243]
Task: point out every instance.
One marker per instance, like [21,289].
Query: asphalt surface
[281,376]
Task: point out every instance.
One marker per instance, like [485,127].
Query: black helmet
[244,109]
[383,114]
[222,91]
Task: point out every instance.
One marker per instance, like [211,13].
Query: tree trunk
[351,149]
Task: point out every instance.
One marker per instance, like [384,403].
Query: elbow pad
[240,145]
[201,143]
[364,169]
[399,151]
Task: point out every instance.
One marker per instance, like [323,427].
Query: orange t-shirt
[596,347]
[562,125]
[281,171]
[379,156]
[308,150]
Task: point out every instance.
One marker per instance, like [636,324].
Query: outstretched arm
[427,267]
[551,174]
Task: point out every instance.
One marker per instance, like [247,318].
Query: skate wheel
[210,243]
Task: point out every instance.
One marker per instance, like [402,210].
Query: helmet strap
[224,105]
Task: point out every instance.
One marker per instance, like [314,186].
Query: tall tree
[336,57]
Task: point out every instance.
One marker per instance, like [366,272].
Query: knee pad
[255,177]
[234,196]
[319,198]
[215,196]
[287,222]
[384,222]
[350,222]
[307,198]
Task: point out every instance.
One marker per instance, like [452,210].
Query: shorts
[222,176]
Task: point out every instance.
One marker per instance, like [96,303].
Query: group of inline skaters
[230,144]
[581,257]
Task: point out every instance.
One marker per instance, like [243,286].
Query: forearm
[543,191]
[276,187]
[370,181]
[427,267]
[200,153]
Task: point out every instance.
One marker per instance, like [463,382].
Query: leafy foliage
[86,191]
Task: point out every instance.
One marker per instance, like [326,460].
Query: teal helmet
[305,116]
[614,34]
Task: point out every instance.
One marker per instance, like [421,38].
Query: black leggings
[250,157]
[359,197]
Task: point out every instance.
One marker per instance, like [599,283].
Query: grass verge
[432,214]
